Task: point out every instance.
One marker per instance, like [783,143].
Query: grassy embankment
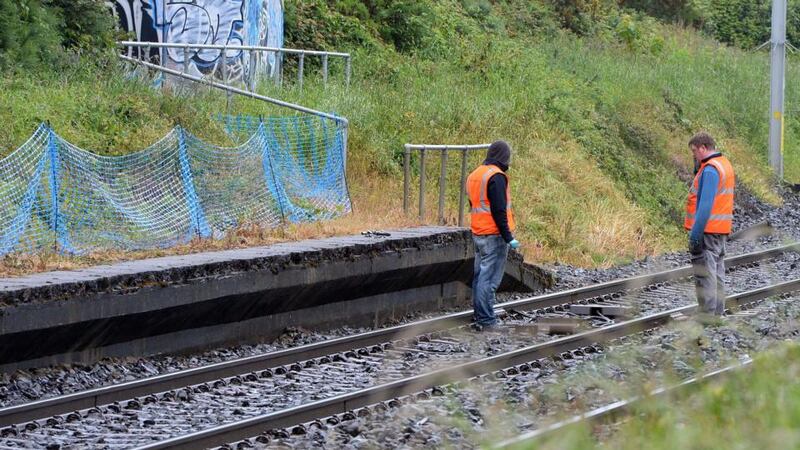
[599,129]
[751,408]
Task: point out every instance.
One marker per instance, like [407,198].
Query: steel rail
[623,407]
[160,383]
[235,90]
[347,402]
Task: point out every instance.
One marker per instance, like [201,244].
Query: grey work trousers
[709,274]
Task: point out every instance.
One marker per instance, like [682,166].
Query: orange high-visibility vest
[481,214]
[721,220]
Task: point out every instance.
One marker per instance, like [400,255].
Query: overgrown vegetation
[598,101]
[750,408]
[599,114]
[41,34]
[101,109]
[742,23]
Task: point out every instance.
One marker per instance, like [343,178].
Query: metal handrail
[422,148]
[230,47]
[257,48]
[236,90]
[345,123]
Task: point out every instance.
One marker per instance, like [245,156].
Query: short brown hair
[703,139]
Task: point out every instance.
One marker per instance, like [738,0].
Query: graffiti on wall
[215,22]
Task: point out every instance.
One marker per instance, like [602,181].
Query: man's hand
[695,246]
[514,244]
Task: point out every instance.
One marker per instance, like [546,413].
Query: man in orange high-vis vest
[492,223]
[709,220]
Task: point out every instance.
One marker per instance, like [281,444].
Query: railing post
[224,67]
[347,71]
[422,184]
[186,58]
[225,78]
[300,70]
[251,80]
[325,70]
[279,70]
[406,176]
[463,190]
[442,181]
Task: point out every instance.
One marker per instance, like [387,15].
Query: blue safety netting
[54,195]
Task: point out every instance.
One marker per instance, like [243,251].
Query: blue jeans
[490,262]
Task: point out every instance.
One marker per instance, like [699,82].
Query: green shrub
[407,24]
[353,8]
[85,24]
[28,34]
[638,33]
[584,17]
[34,34]
[747,23]
[688,12]
[312,24]
[528,18]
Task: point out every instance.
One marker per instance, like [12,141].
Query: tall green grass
[601,165]
[105,110]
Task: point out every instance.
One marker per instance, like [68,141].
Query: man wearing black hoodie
[492,223]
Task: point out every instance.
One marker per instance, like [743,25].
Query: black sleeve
[496,191]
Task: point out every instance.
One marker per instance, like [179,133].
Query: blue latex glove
[514,244]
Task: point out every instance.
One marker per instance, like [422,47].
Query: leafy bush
[688,12]
[638,33]
[353,8]
[28,34]
[528,18]
[313,24]
[35,33]
[584,17]
[406,24]
[85,24]
[745,24]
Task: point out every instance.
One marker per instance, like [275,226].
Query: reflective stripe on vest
[721,219]
[477,186]
[483,201]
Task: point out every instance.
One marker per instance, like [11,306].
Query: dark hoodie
[499,155]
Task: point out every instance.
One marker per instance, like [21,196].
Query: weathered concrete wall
[194,301]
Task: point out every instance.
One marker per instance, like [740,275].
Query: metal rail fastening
[444,149]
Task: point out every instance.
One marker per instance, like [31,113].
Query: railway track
[502,365]
[344,374]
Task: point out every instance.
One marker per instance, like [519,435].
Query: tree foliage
[742,23]
[28,33]
[35,33]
